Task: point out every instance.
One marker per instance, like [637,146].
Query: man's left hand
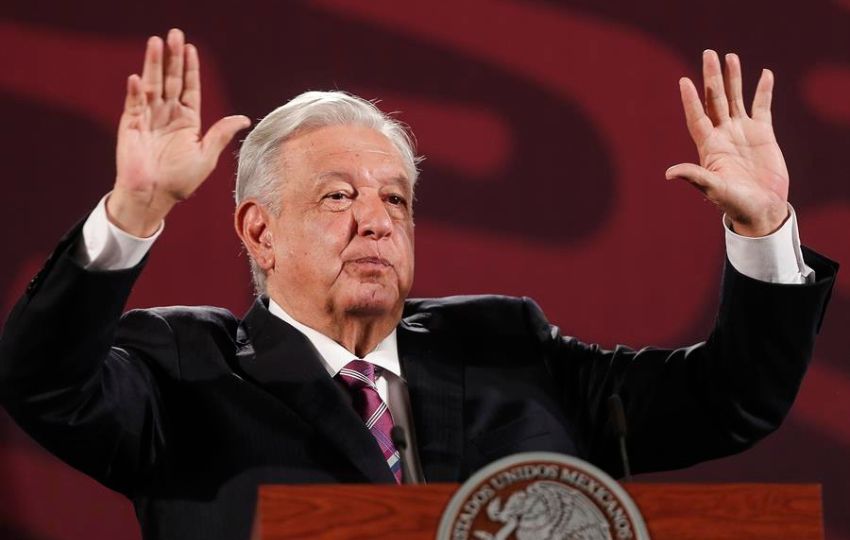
[741,167]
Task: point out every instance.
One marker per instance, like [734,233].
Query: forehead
[355,151]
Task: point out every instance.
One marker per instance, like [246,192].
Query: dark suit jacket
[187,409]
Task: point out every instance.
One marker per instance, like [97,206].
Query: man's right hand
[161,155]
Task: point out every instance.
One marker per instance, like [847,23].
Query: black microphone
[399,438]
[618,420]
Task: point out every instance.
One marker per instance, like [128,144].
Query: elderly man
[186,410]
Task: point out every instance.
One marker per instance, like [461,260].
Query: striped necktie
[359,377]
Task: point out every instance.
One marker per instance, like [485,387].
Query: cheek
[406,252]
[314,245]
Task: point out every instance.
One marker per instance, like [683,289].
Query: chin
[373,301]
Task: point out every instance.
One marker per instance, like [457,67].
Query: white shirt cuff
[775,258]
[106,247]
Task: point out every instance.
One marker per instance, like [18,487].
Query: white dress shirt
[776,258]
[388,378]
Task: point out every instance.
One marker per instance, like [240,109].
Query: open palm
[741,166]
[161,155]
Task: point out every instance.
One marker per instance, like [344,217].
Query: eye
[337,200]
[397,200]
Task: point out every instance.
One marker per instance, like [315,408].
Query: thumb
[699,177]
[221,133]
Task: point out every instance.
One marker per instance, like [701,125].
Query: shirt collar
[334,356]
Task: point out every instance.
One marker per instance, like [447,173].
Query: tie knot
[358,373]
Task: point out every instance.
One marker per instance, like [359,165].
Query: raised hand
[161,155]
[741,166]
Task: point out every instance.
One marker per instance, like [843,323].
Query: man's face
[343,242]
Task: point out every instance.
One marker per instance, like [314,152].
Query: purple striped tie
[359,377]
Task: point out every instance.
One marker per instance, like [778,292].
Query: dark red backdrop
[547,129]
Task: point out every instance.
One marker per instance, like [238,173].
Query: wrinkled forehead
[356,151]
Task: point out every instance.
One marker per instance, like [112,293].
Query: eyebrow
[400,179]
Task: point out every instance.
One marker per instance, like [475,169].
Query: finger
[734,86]
[763,97]
[152,71]
[699,125]
[134,103]
[716,105]
[192,80]
[221,133]
[699,177]
[174,65]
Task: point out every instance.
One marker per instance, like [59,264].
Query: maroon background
[547,129]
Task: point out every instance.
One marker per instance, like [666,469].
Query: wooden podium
[671,511]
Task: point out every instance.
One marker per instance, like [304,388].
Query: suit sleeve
[701,402]
[94,405]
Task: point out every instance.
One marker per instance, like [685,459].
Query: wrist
[136,213]
[770,222]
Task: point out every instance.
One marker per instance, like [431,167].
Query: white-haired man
[187,410]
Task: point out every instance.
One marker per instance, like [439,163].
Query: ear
[253,225]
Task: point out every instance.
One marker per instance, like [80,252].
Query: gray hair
[259,175]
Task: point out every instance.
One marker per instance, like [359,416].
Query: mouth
[371,261]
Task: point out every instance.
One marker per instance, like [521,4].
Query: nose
[371,217]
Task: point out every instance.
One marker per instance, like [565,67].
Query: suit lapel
[282,361]
[435,382]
